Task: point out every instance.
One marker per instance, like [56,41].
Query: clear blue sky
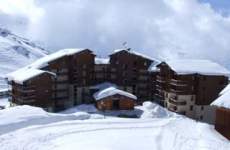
[220,5]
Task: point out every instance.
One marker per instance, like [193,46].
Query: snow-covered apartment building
[72,76]
[189,87]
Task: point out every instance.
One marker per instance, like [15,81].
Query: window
[202,108]
[191,107]
[145,63]
[134,63]
[221,82]
[201,117]
[84,66]
[125,66]
[125,81]
[204,78]
[175,108]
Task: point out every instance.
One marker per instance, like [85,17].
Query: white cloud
[165,28]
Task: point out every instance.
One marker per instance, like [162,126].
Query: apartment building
[65,78]
[189,87]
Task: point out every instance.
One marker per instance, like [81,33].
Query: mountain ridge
[16,52]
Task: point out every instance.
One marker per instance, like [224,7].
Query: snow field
[83,127]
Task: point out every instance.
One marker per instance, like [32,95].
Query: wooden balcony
[177,82]
[176,102]
[161,79]
[182,91]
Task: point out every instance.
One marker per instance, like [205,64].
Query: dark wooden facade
[222,123]
[36,92]
[129,70]
[188,94]
[76,73]
[116,102]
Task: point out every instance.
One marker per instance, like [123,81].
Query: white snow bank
[110,92]
[152,110]
[192,66]
[4,103]
[18,117]
[117,134]
[81,108]
[20,114]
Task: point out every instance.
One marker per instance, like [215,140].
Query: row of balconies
[176,102]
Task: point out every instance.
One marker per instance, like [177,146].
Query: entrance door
[116,104]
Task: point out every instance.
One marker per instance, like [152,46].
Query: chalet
[189,87]
[65,78]
[222,121]
[112,98]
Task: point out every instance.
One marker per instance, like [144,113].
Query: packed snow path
[31,128]
[117,134]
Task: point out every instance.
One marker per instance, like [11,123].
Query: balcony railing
[184,91]
[175,102]
[161,79]
[180,82]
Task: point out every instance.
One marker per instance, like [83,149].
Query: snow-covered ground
[85,128]
[4,103]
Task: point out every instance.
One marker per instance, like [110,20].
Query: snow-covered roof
[103,85]
[24,74]
[226,89]
[32,70]
[43,62]
[132,52]
[101,60]
[223,100]
[153,66]
[192,66]
[110,92]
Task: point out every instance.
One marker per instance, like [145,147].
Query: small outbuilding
[222,123]
[112,98]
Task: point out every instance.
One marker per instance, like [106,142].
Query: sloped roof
[133,52]
[25,74]
[226,89]
[34,69]
[40,63]
[103,85]
[153,66]
[192,66]
[110,92]
[224,99]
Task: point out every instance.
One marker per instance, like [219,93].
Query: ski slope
[31,128]
[16,52]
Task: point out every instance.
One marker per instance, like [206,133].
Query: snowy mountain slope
[69,131]
[16,52]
